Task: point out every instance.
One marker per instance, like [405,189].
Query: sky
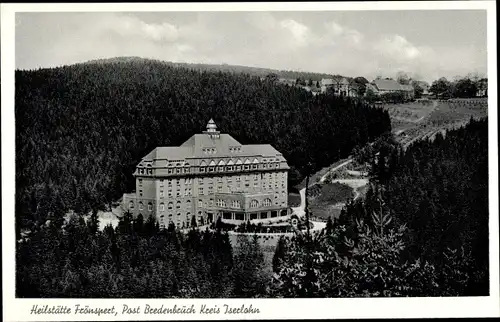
[424,44]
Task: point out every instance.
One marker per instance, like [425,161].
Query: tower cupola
[212,130]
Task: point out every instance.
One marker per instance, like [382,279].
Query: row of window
[188,181]
[237,167]
[141,206]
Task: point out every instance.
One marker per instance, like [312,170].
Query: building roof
[338,80]
[390,85]
[212,144]
[327,81]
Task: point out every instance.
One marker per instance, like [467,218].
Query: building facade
[341,86]
[210,175]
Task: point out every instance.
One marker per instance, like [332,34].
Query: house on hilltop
[341,86]
[385,86]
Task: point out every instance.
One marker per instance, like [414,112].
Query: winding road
[300,211]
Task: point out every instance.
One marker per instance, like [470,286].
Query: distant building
[424,86]
[384,86]
[340,86]
[210,175]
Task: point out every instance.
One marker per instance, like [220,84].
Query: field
[293,200]
[421,120]
[329,199]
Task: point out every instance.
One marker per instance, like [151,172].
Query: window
[267,203]
[202,169]
[150,206]
[254,166]
[246,167]
[161,193]
[141,206]
[219,189]
[140,182]
[170,193]
[238,179]
[169,171]
[170,182]
[170,205]
[178,193]
[200,180]
[254,204]
[140,193]
[255,177]
[210,169]
[162,207]
[178,204]
[200,203]
[188,202]
[211,202]
[229,179]
[131,205]
[200,191]
[179,182]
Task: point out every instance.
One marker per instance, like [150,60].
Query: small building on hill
[385,86]
[341,86]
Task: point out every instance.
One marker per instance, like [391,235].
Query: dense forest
[136,260]
[81,129]
[237,69]
[422,229]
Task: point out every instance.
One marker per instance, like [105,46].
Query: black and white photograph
[244,154]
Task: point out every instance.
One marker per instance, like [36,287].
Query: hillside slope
[81,129]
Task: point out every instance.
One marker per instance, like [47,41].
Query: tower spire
[212,130]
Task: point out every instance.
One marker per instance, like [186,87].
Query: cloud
[128,26]
[298,31]
[397,47]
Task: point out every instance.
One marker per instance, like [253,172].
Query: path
[299,211]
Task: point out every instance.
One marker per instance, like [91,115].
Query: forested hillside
[81,130]
[421,231]
[252,71]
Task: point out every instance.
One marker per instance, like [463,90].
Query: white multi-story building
[210,175]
